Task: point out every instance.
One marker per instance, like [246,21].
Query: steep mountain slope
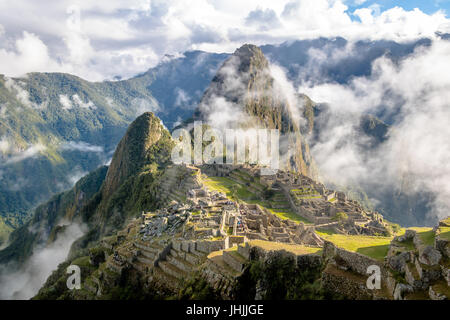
[48,218]
[101,199]
[54,128]
[336,59]
[244,94]
[178,84]
[99,203]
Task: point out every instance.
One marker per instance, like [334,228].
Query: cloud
[30,54]
[81,146]
[76,175]
[74,101]
[144,105]
[3,110]
[112,38]
[264,19]
[65,102]
[25,282]
[413,96]
[22,95]
[11,154]
[5,146]
[86,105]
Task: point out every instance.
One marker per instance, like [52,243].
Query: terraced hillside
[207,240]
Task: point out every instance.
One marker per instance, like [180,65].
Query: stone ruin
[323,207]
[254,222]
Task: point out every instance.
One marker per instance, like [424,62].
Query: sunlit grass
[294,248]
[371,246]
[226,185]
[444,233]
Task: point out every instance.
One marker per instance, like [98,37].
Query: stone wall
[351,260]
[342,283]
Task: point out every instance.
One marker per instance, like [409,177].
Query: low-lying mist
[25,283]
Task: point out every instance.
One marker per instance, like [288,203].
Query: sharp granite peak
[133,150]
[245,93]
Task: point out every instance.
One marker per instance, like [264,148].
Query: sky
[103,39]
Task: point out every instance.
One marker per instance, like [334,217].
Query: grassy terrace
[226,185]
[408,245]
[446,221]
[427,237]
[444,233]
[373,247]
[294,248]
[249,178]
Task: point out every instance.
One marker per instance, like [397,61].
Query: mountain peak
[136,149]
[244,94]
[250,56]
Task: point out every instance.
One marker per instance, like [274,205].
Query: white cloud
[183,99]
[14,155]
[86,105]
[22,95]
[124,38]
[5,146]
[144,105]
[30,54]
[414,95]
[65,102]
[75,176]
[81,146]
[75,101]
[25,282]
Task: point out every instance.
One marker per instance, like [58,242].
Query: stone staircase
[231,261]
[178,264]
[279,201]
[147,254]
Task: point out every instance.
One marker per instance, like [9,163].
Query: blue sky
[428,6]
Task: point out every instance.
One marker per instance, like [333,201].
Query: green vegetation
[341,216]
[5,230]
[280,279]
[444,233]
[104,201]
[446,222]
[294,248]
[303,193]
[288,214]
[374,247]
[196,288]
[240,192]
[408,244]
[427,237]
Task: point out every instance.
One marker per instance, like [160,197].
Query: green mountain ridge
[56,127]
[99,199]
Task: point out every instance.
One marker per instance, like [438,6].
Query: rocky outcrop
[136,148]
[417,270]
[245,88]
